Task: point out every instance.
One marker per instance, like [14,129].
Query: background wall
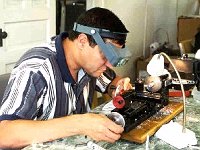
[148,21]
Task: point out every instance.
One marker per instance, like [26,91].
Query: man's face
[94,62]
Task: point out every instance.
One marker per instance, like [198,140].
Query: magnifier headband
[116,56]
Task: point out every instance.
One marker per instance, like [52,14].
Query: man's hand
[100,128]
[120,84]
[124,83]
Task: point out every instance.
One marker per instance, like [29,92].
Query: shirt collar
[60,56]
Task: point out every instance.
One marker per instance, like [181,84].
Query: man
[52,82]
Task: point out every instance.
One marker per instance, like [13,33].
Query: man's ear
[82,40]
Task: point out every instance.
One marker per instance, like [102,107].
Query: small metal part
[117,118]
[92,31]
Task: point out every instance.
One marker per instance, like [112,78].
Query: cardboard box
[187,27]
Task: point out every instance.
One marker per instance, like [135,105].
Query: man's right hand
[100,128]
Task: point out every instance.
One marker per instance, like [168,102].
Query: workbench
[79,142]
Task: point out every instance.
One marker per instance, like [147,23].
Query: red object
[118,102]
[178,93]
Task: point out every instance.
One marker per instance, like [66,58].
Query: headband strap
[103,32]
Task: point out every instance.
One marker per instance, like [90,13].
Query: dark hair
[99,18]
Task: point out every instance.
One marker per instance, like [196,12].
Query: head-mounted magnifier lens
[116,56]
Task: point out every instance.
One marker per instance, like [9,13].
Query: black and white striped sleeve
[104,80]
[21,97]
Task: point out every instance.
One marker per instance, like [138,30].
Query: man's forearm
[20,133]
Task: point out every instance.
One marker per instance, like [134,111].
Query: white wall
[143,18]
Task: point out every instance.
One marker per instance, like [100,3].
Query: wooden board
[151,125]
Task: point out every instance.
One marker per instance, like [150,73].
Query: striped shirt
[41,86]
